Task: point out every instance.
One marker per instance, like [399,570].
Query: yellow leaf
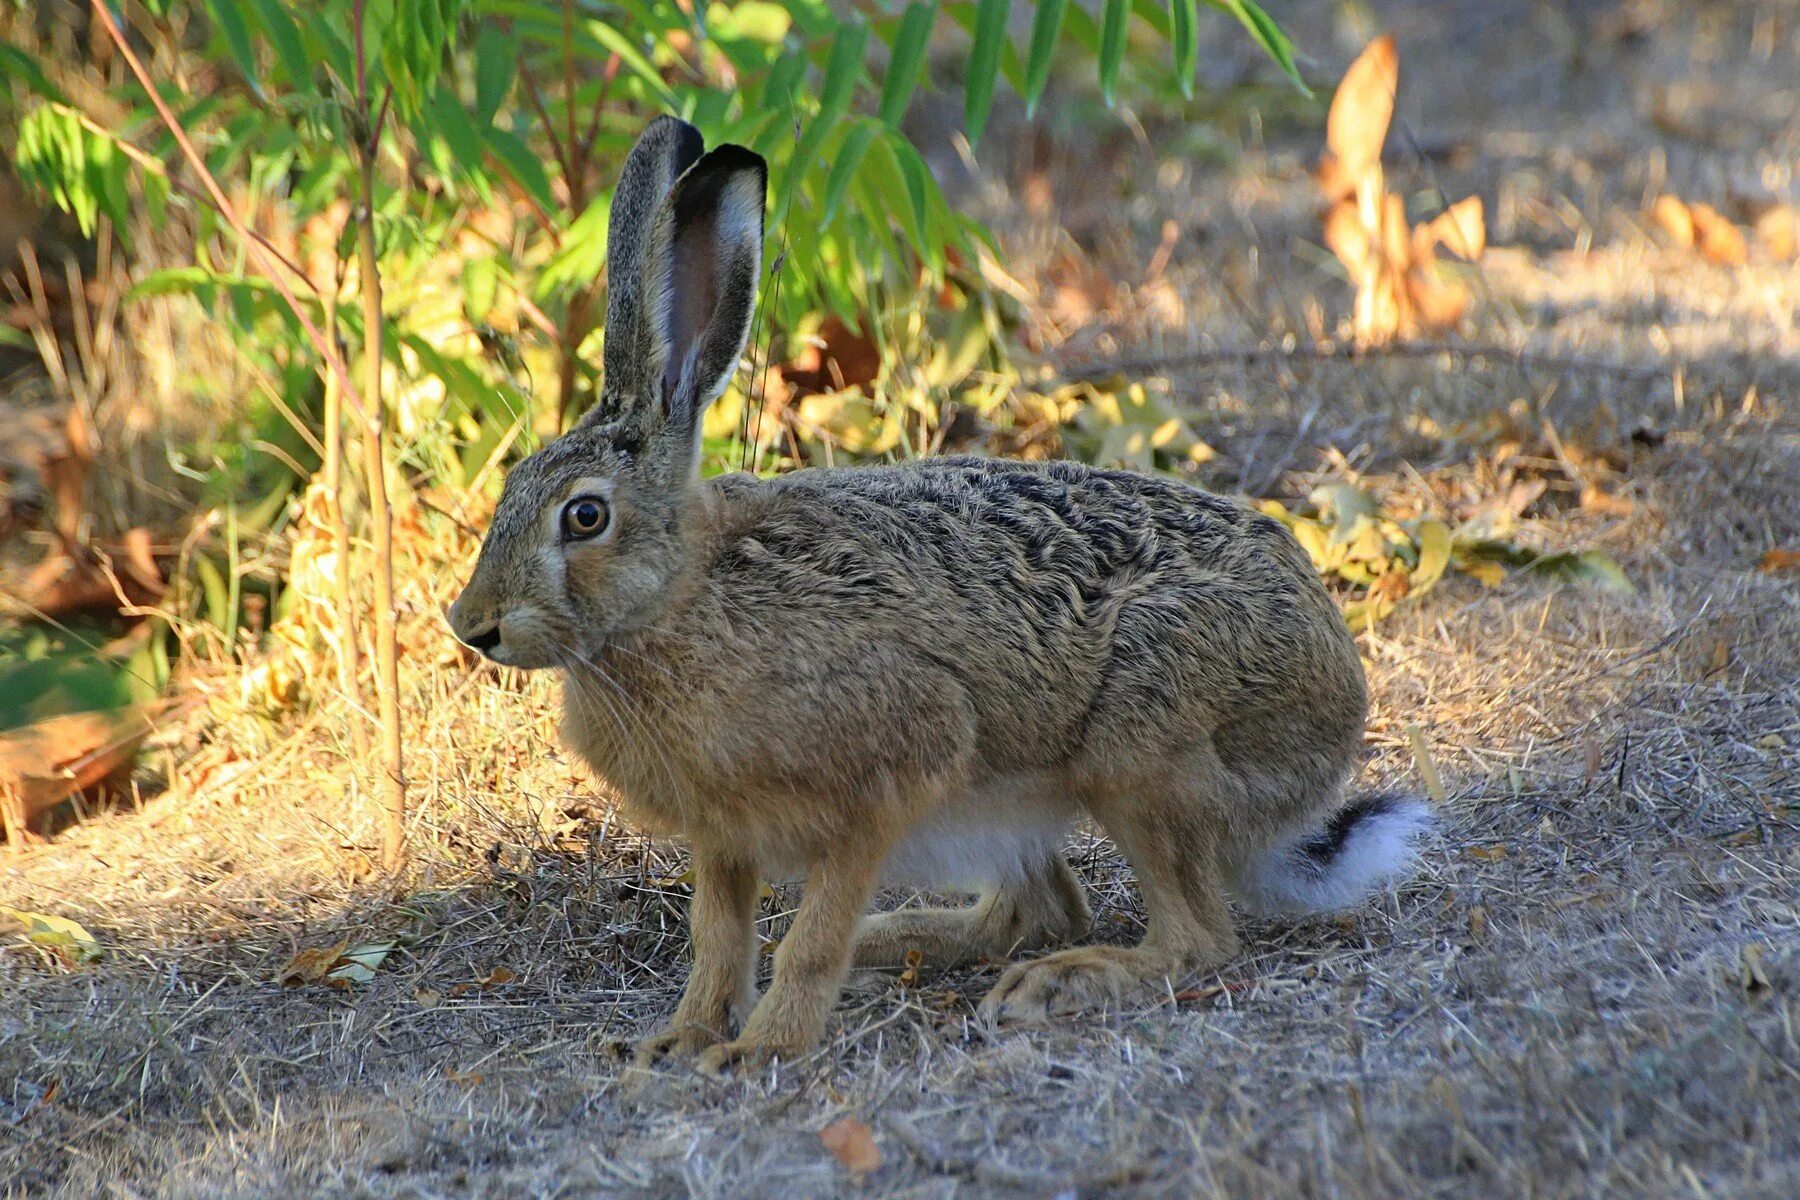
[1428,769]
[67,939]
[1434,554]
[1490,573]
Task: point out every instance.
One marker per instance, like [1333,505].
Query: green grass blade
[1115,21]
[910,43]
[843,68]
[984,66]
[1184,17]
[1046,28]
[1265,33]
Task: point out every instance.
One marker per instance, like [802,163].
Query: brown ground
[1567,1000]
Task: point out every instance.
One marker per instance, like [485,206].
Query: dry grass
[1559,1004]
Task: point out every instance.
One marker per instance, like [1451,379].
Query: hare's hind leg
[1042,906]
[1169,829]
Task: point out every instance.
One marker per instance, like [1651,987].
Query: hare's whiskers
[646,733]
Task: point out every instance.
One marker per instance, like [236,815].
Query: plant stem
[349,668]
[381,516]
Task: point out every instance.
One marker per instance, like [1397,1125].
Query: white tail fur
[1364,845]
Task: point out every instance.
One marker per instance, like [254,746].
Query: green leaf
[1184,19]
[908,58]
[849,158]
[228,17]
[16,64]
[984,66]
[583,253]
[843,69]
[290,51]
[1046,28]
[524,166]
[1585,566]
[1265,33]
[783,80]
[1115,22]
[496,61]
[633,57]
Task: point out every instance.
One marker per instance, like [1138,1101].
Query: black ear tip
[684,143]
[732,157]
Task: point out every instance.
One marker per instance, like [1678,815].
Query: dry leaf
[45,763]
[1718,239]
[1752,978]
[493,979]
[1779,559]
[1778,230]
[311,964]
[1363,107]
[910,977]
[1461,229]
[1434,783]
[1478,923]
[1671,215]
[851,1143]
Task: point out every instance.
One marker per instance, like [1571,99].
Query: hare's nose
[485,641]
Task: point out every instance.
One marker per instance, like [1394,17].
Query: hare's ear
[667,147]
[700,273]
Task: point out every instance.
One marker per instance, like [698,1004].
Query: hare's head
[587,540]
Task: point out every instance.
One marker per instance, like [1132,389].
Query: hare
[920,673]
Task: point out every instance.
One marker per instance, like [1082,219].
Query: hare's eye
[584,517]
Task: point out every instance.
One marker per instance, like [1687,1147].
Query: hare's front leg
[722,982]
[810,963]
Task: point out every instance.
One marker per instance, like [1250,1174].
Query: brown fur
[796,674]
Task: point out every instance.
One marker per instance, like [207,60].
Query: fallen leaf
[1478,923]
[851,1143]
[311,964]
[910,977]
[1718,239]
[358,964]
[1461,229]
[1752,978]
[1779,559]
[45,763]
[493,979]
[1428,770]
[1671,215]
[66,939]
[1363,108]
[1778,229]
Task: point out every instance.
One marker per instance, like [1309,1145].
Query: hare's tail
[1369,842]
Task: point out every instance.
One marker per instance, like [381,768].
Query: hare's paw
[677,1041]
[1068,981]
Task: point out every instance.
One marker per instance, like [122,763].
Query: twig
[252,242]
[1329,351]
